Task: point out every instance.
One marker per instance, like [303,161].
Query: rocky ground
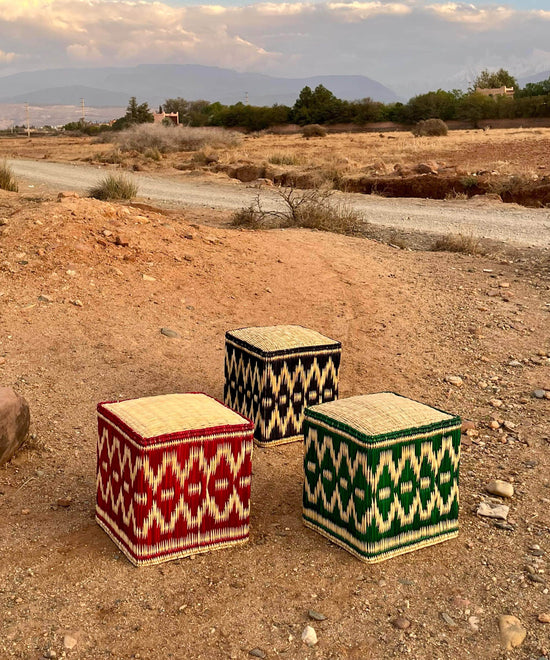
[85,289]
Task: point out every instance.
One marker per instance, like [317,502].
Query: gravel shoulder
[516,225]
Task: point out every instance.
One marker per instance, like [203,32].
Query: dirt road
[485,219]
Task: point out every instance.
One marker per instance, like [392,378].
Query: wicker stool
[381,474]
[272,373]
[173,476]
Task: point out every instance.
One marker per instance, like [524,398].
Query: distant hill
[154,83]
[537,77]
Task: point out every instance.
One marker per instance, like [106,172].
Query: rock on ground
[14,422]
[512,633]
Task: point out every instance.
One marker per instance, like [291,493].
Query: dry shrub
[311,209]
[7,180]
[114,187]
[463,243]
[313,130]
[164,139]
[430,128]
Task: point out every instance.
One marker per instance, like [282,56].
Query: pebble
[539,394]
[401,622]
[515,363]
[148,278]
[496,403]
[448,619]
[512,633]
[504,525]
[500,488]
[77,303]
[64,501]
[454,380]
[25,512]
[309,636]
[535,577]
[50,654]
[544,617]
[70,641]
[494,424]
[169,333]
[2,360]
[509,426]
[468,425]
[316,616]
[473,621]
[44,298]
[490,510]
[257,653]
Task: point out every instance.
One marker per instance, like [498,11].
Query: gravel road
[485,219]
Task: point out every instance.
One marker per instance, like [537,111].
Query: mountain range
[113,86]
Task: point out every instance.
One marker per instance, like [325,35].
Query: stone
[401,622]
[309,636]
[426,168]
[64,501]
[245,173]
[494,424]
[468,425]
[448,619]
[512,633]
[490,510]
[539,394]
[70,641]
[496,403]
[77,303]
[121,240]
[148,278]
[515,363]
[257,653]
[316,616]
[473,622]
[14,422]
[544,617]
[500,488]
[46,299]
[169,333]
[454,380]
[535,577]
[509,426]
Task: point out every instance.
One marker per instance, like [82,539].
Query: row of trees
[321,106]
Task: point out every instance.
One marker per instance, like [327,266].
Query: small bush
[143,137]
[430,128]
[7,180]
[152,154]
[311,209]
[114,187]
[463,243]
[313,130]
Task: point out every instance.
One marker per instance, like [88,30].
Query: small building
[159,117]
[495,91]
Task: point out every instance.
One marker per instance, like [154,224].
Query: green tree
[135,114]
[317,107]
[438,105]
[541,88]
[488,80]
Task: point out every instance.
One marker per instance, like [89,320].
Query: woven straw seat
[381,474]
[173,475]
[273,372]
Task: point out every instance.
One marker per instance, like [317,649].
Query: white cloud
[411,45]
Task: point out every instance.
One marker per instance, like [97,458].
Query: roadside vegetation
[311,209]
[7,179]
[114,187]
[153,140]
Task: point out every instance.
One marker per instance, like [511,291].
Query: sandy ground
[407,320]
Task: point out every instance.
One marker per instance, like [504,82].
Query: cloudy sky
[409,45]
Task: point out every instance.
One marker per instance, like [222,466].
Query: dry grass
[165,139]
[114,187]
[311,209]
[7,179]
[462,243]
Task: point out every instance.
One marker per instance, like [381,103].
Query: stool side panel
[381,500]
[157,503]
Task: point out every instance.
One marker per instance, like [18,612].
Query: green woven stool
[272,373]
[381,474]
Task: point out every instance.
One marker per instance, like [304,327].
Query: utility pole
[83,118]
[28,122]
[246,98]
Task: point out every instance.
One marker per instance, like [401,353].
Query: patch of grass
[311,209]
[114,187]
[165,139]
[462,243]
[152,153]
[284,159]
[7,179]
[469,181]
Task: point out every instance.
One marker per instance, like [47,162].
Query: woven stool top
[279,339]
[380,414]
[167,414]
